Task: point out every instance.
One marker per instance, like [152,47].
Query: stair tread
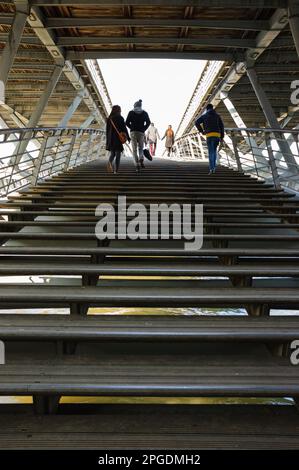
[154,427]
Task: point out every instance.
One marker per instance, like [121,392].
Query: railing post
[38,161]
[202,152]
[102,142]
[69,152]
[13,159]
[252,142]
[191,147]
[274,169]
[236,152]
[90,146]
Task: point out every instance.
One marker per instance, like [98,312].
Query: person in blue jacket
[211,125]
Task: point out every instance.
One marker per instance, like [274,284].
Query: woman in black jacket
[115,125]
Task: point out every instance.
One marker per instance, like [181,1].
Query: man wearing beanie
[138,122]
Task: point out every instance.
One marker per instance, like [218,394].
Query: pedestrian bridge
[142,343]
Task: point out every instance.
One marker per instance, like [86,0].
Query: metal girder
[33,54]
[43,101]
[88,121]
[36,21]
[269,78]
[30,65]
[286,117]
[23,40]
[269,68]
[293,14]
[241,25]
[174,3]
[263,98]
[271,88]
[71,110]
[250,141]
[203,42]
[270,116]
[14,38]
[41,105]
[6,20]
[212,55]
[238,69]
[278,22]
[29,77]
[15,116]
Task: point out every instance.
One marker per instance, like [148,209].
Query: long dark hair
[115,111]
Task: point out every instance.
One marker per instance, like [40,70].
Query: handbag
[147,154]
[121,135]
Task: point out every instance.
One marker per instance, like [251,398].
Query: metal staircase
[248,266]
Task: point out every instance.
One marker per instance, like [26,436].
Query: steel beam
[31,40]
[71,110]
[283,68]
[88,121]
[34,66]
[270,116]
[50,142]
[6,20]
[28,77]
[212,55]
[41,105]
[237,70]
[99,22]
[262,98]
[202,42]
[15,116]
[14,39]
[36,21]
[241,124]
[293,15]
[173,3]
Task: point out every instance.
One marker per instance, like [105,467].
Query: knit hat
[138,104]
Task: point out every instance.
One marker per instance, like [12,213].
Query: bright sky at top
[165,86]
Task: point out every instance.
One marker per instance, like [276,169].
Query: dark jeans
[115,154]
[212,143]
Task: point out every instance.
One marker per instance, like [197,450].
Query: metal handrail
[48,151]
[269,154]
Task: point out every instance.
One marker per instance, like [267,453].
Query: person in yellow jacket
[213,129]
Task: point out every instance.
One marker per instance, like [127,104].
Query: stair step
[148,328]
[242,372]
[175,296]
[145,268]
[152,427]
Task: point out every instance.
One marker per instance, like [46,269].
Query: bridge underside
[64,35]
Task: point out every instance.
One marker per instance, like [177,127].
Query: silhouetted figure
[169,136]
[116,131]
[152,137]
[213,129]
[138,122]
